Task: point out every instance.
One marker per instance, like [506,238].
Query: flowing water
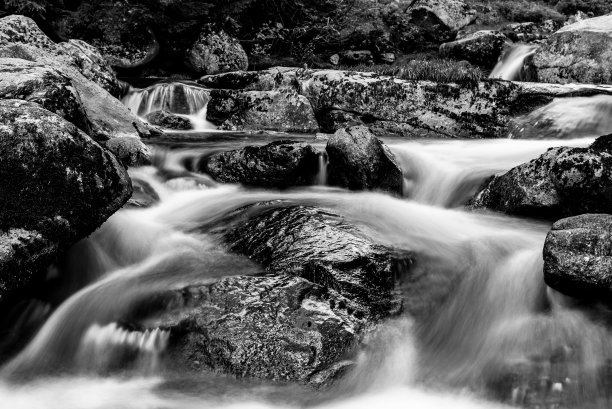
[497,333]
[512,66]
[182,99]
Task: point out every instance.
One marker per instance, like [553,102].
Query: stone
[356,57]
[129,150]
[169,120]
[562,182]
[214,53]
[36,82]
[323,288]
[283,110]
[360,161]
[579,52]
[482,48]
[57,185]
[441,19]
[280,164]
[578,257]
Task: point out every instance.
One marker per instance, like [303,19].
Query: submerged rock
[482,48]
[562,182]
[169,120]
[358,160]
[279,164]
[36,82]
[57,187]
[283,110]
[325,285]
[214,53]
[580,52]
[578,257]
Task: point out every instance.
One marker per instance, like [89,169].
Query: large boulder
[578,257]
[441,19]
[281,110]
[562,182]
[580,52]
[214,53]
[57,186]
[325,286]
[279,164]
[358,160]
[36,82]
[91,76]
[482,48]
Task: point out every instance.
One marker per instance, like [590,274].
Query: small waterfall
[321,179]
[181,99]
[512,66]
[105,347]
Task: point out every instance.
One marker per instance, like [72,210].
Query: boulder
[578,257]
[440,20]
[169,120]
[562,182]
[91,76]
[360,161]
[57,186]
[529,32]
[283,110]
[129,150]
[280,164]
[325,286]
[579,52]
[264,80]
[482,48]
[214,53]
[356,57]
[36,82]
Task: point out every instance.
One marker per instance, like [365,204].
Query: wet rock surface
[358,160]
[169,120]
[57,187]
[325,285]
[578,257]
[562,182]
[580,52]
[279,164]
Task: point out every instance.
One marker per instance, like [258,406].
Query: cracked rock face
[324,286]
[57,185]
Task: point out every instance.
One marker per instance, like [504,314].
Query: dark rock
[279,164]
[144,195]
[580,52]
[481,48]
[283,110]
[35,82]
[578,257]
[561,182]
[169,120]
[214,53]
[91,76]
[360,161]
[356,57]
[57,187]
[129,150]
[325,285]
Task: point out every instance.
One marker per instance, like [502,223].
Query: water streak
[512,66]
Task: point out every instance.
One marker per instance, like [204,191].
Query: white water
[511,67]
[491,314]
[184,100]
[567,118]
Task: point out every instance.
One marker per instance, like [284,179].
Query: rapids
[499,324]
[511,66]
